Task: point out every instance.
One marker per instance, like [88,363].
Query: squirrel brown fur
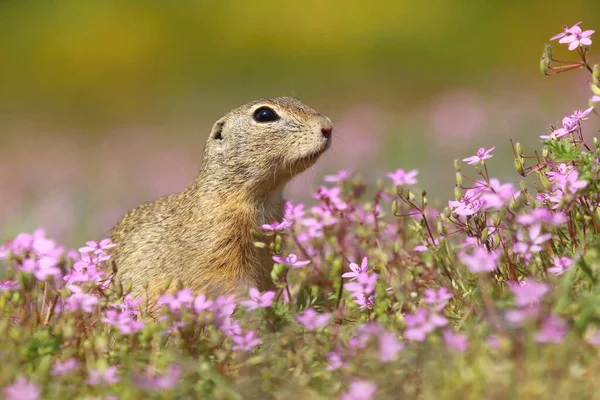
[201,236]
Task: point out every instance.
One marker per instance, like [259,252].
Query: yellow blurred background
[105,104]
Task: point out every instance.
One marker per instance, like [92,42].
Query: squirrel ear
[217,130]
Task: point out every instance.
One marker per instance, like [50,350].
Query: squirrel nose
[326,129]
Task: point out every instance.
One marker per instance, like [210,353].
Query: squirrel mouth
[312,157]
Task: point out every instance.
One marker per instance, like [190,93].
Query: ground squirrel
[202,235]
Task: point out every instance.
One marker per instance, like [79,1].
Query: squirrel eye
[265,114]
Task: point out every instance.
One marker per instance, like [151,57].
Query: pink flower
[183,298]
[106,376]
[561,264]
[8,285]
[469,204]
[22,389]
[97,247]
[258,300]
[454,340]
[421,323]
[401,178]
[4,251]
[42,269]
[517,317]
[291,261]
[569,183]
[123,321]
[80,300]
[359,390]
[86,269]
[494,341]
[529,292]
[276,226]
[341,176]
[592,336]
[496,195]
[481,260]
[61,368]
[331,197]
[334,361]
[566,31]
[166,381]
[293,212]
[362,289]
[389,347]
[482,154]
[224,305]
[245,342]
[323,218]
[532,243]
[202,304]
[575,37]
[356,270]
[223,309]
[553,330]
[569,124]
[229,327]
[539,215]
[438,298]
[311,320]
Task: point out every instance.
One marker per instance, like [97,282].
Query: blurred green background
[105,104]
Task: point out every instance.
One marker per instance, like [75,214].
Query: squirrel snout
[327,128]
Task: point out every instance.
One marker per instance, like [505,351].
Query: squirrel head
[263,144]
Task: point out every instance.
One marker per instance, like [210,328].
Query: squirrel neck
[228,192]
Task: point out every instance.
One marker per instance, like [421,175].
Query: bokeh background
[105,104]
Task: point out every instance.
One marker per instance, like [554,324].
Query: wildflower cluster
[376,292]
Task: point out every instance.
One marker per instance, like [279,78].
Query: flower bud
[457,165]
[596,75]
[395,207]
[519,167]
[259,245]
[459,179]
[496,241]
[114,266]
[545,59]
[277,272]
[457,193]
[546,185]
[484,235]
[519,149]
[441,228]
[596,89]
[118,289]
[496,218]
[545,152]
[442,217]
[596,144]
[548,51]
